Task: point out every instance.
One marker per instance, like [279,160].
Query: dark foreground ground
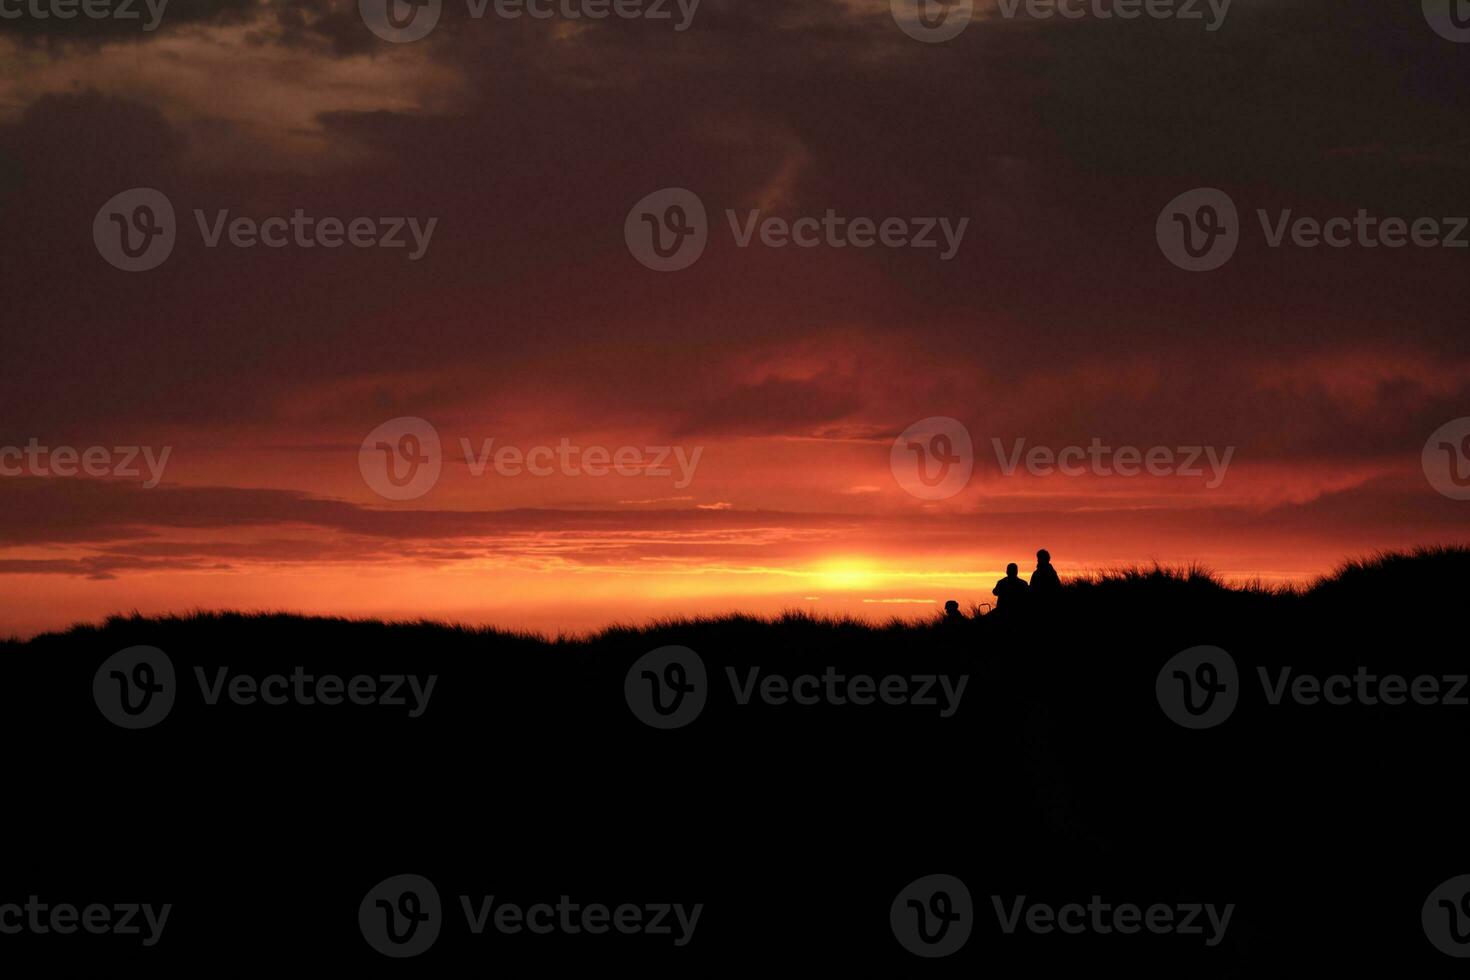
[529,776]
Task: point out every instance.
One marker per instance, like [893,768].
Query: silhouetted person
[952,612]
[1009,592]
[1045,584]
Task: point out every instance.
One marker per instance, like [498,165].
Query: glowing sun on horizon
[846,574]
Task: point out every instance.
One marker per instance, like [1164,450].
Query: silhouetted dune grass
[1385,578]
[1058,772]
[1360,585]
[1389,576]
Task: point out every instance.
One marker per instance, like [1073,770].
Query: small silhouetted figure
[1010,591]
[1044,581]
[952,612]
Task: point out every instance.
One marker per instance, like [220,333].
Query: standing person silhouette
[1010,591]
[1045,584]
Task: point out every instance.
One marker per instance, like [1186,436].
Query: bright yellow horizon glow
[846,574]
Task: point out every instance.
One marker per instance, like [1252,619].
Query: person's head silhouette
[951,609]
[1043,557]
[1012,569]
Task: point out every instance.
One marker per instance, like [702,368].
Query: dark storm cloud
[1060,141]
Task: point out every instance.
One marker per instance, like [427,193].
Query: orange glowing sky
[790,372]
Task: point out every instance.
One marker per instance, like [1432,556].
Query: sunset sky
[790,371]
